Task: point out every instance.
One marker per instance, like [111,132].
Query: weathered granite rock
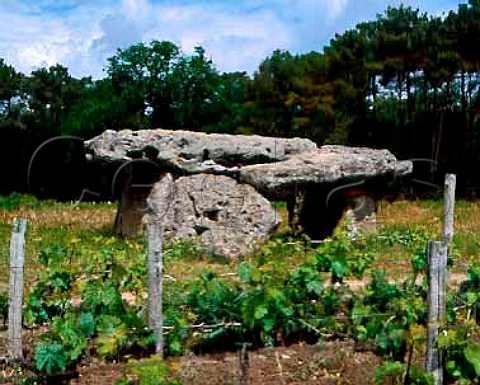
[186,152]
[131,209]
[361,216]
[230,218]
[313,181]
[327,165]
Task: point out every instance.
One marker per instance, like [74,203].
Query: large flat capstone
[328,165]
[187,152]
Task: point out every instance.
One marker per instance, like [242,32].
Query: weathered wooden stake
[244,365]
[17,257]
[155,281]
[448,207]
[437,281]
[158,204]
[437,266]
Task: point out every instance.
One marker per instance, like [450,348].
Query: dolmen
[223,188]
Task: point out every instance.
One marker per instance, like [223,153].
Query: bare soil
[331,363]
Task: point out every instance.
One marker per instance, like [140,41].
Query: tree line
[406,81]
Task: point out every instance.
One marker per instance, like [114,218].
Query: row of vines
[100,309]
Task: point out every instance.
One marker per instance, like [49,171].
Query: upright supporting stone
[131,209]
[294,208]
[361,218]
[17,257]
[437,267]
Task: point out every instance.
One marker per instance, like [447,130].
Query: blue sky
[237,35]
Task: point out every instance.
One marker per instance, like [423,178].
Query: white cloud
[31,39]
[84,38]
[29,42]
[235,40]
[238,35]
[335,8]
[136,8]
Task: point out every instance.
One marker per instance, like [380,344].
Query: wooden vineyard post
[17,257]
[448,207]
[155,281]
[244,365]
[437,282]
[437,265]
[158,204]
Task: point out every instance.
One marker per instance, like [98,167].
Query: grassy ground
[410,216]
[86,229]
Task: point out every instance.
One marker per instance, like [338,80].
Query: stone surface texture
[218,180]
[190,152]
[326,165]
[231,219]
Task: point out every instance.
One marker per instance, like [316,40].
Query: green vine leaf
[472,354]
[50,358]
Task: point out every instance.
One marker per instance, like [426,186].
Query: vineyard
[352,309]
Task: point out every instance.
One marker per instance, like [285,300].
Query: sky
[237,35]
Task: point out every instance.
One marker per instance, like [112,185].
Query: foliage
[186,249]
[4,303]
[50,297]
[16,200]
[102,321]
[343,256]
[50,358]
[278,296]
[391,314]
[152,371]
[214,301]
[53,254]
[103,317]
[411,236]
[469,292]
[283,248]
[460,341]
[395,373]
[460,359]
[268,304]
[179,91]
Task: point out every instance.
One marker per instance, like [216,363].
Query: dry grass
[409,213]
[76,226]
[72,217]
[428,215]
[46,225]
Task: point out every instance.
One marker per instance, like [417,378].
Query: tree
[229,103]
[195,83]
[179,91]
[9,88]
[50,94]
[266,94]
[348,74]
[97,109]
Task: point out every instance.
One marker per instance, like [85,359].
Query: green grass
[86,228]
[81,239]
